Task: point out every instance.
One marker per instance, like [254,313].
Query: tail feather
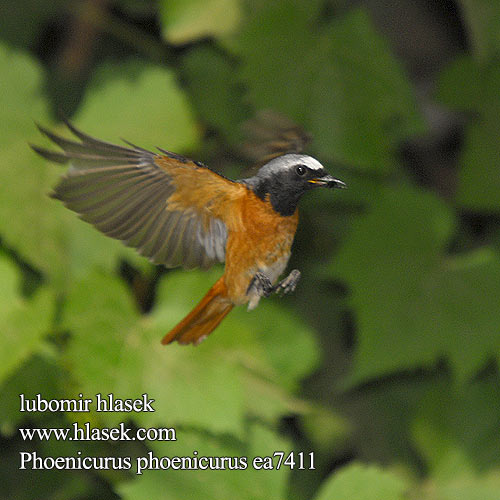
[203,319]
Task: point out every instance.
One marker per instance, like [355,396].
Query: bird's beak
[328,181]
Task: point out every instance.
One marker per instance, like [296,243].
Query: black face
[317,177]
[306,176]
[287,183]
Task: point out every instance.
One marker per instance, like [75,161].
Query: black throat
[283,197]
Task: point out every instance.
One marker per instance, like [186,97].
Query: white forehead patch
[288,161]
[312,163]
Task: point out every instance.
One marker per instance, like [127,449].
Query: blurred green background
[384,362]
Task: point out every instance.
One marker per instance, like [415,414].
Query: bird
[179,212]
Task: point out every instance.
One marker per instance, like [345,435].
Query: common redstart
[178,212]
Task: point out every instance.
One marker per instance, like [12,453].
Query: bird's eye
[300,169]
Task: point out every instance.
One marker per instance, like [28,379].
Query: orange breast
[259,239]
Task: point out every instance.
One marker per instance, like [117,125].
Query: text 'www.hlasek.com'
[82,432]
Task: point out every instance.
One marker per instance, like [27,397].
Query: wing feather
[160,249]
[164,205]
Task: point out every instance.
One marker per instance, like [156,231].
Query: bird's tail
[203,319]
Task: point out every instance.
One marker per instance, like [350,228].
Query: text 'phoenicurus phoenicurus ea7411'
[178,212]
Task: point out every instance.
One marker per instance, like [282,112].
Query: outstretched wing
[270,134]
[167,207]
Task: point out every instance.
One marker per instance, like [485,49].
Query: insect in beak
[329,182]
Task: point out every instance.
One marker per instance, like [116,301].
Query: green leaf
[25,178]
[24,322]
[20,103]
[212,83]
[39,374]
[188,20]
[208,386]
[339,80]
[139,102]
[244,484]
[455,429]
[412,304]
[486,487]
[275,62]
[363,482]
[468,86]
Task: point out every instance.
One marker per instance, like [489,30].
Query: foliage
[427,304]
[384,363]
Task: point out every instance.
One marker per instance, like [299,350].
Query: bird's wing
[167,207]
[270,134]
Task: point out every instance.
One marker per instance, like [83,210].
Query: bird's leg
[288,284]
[261,284]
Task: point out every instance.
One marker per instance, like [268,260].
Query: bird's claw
[261,284]
[288,284]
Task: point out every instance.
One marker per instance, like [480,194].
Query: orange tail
[203,319]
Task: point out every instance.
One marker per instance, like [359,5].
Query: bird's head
[286,178]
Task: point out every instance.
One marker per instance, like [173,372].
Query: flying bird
[179,212]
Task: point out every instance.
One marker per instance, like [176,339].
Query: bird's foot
[288,284]
[261,284]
